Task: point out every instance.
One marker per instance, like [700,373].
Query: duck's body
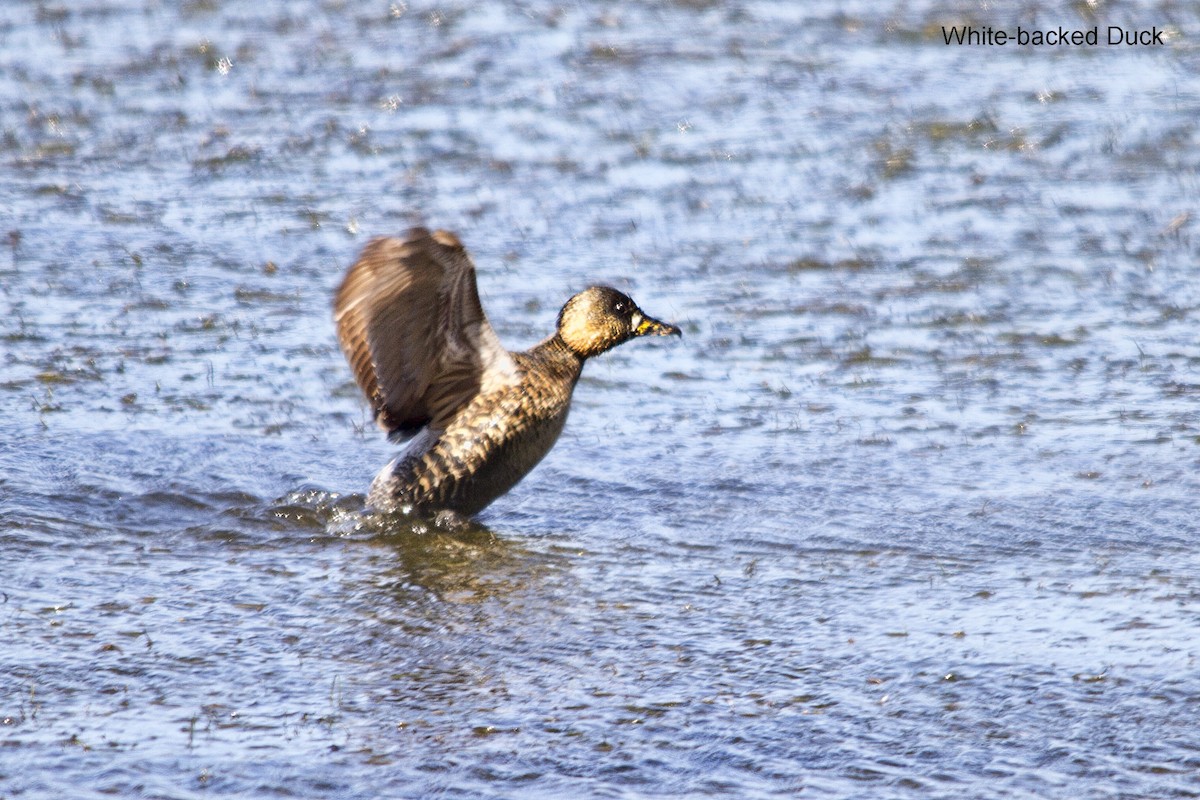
[488,447]
[410,323]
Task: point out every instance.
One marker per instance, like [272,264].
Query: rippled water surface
[910,510]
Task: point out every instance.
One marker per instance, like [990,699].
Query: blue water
[909,511]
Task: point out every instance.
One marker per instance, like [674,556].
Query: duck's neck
[555,354]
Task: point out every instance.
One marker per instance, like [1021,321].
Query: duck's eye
[619,308]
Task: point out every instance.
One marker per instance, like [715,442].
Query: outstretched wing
[411,325]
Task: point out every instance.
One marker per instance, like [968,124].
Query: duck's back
[490,444]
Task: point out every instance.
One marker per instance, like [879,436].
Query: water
[908,512]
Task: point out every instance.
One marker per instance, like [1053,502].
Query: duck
[476,417]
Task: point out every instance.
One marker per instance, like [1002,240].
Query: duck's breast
[488,448]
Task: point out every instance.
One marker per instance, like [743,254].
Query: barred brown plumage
[479,417]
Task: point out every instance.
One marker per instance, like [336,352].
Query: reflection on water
[909,513]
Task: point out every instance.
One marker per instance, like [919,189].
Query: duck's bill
[649,326]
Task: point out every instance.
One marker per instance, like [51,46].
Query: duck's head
[599,318]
